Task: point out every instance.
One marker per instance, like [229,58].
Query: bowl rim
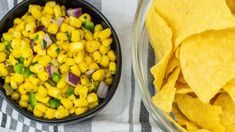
[73,118]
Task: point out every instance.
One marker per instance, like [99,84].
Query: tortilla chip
[208,62]
[205,116]
[189,17]
[164,98]
[172,64]
[230,89]
[181,79]
[161,43]
[228,107]
[231,5]
[185,90]
[230,128]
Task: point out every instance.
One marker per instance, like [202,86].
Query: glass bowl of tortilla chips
[184,60]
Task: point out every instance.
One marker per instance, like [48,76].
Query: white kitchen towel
[125,112]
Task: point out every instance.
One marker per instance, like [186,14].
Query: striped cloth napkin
[124,113]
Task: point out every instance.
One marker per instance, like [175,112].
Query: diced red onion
[59,21]
[50,70]
[102,90]
[41,28]
[90,72]
[76,12]
[48,40]
[72,79]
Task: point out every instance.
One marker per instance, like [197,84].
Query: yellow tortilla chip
[181,79]
[205,116]
[230,89]
[228,107]
[231,5]
[185,90]
[164,98]
[230,128]
[172,64]
[161,43]
[189,17]
[208,62]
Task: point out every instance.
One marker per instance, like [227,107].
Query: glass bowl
[143,59]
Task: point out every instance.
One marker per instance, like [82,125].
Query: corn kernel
[61,113]
[67,103]
[98,75]
[37,113]
[37,68]
[28,61]
[41,107]
[18,78]
[20,27]
[79,111]
[15,96]
[42,99]
[61,36]
[35,12]
[23,104]
[17,21]
[103,49]
[75,37]
[83,67]
[112,67]
[108,80]
[50,113]
[52,51]
[44,60]
[51,3]
[2,56]
[34,80]
[93,66]
[30,27]
[7,36]
[22,90]
[111,55]
[2,47]
[53,28]
[46,20]
[82,102]
[69,61]
[92,46]
[75,22]
[3,70]
[76,47]
[92,98]
[97,56]
[48,10]
[83,92]
[75,70]
[42,91]
[85,17]
[77,88]
[7,79]
[82,33]
[24,97]
[92,106]
[89,36]
[98,27]
[64,68]
[16,34]
[57,11]
[84,80]
[105,61]
[106,33]
[72,97]
[54,92]
[79,57]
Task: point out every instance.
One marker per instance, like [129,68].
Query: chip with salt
[189,17]
[230,89]
[161,42]
[165,97]
[228,107]
[207,61]
[205,116]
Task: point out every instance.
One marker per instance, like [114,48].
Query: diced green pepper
[56,77]
[70,90]
[88,25]
[27,73]
[8,89]
[54,103]
[21,59]
[51,82]
[19,68]
[36,37]
[44,42]
[32,99]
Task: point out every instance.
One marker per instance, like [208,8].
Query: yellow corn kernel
[22,90]
[41,99]
[65,46]
[3,70]
[27,52]
[2,56]
[77,88]
[93,105]
[98,75]
[106,33]
[37,68]
[24,97]
[48,9]
[41,107]
[63,10]
[13,84]
[64,90]
[28,61]
[30,108]
[12,60]
[61,113]
[53,28]
[57,11]
[71,110]
[7,36]
[108,80]
[23,104]
[75,70]
[97,56]
[18,78]
[7,79]
[37,113]
[98,27]
[61,36]
[82,33]
[105,61]
[92,46]
[75,22]
[72,97]
[75,37]
[28,86]
[2,47]
[111,55]
[79,57]
[52,51]
[33,80]
[89,36]
[69,61]
[76,47]
[51,3]
[92,98]
[103,49]
[17,21]
[54,92]
[44,60]
[42,91]
[61,57]
[35,11]
[60,107]
[15,96]
[88,60]
[46,20]
[93,66]
[79,111]
[61,84]
[16,34]
[20,27]
[64,68]
[30,19]
[112,67]
[85,17]
[83,92]
[67,103]
[83,67]
[82,102]
[50,113]
[84,80]
[63,27]
[30,27]
[35,58]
